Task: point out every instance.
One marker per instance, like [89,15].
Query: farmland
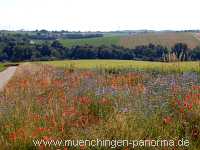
[99,75]
[91,41]
[100,97]
[128,65]
[167,39]
[164,38]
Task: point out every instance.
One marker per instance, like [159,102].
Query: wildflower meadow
[42,102]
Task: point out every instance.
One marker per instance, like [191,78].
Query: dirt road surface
[6,75]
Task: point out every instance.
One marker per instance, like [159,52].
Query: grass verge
[2,67]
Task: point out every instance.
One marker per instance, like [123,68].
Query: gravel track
[6,75]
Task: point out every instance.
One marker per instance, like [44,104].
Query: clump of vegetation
[2,67]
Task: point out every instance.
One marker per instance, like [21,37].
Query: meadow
[47,103]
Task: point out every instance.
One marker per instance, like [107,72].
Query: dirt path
[6,75]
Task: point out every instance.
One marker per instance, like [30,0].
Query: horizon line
[125,30]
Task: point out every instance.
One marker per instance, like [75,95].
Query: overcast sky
[99,15]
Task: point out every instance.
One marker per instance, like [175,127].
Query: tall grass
[174,67]
[44,102]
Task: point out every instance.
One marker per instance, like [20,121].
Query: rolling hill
[92,41]
[163,38]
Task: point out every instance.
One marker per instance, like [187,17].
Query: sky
[99,15]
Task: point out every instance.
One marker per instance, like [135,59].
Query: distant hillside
[92,41]
[163,38]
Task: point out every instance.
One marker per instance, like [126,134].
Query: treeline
[14,48]
[54,36]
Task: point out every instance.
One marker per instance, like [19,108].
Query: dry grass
[166,39]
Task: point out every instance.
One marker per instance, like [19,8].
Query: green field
[163,38]
[129,64]
[91,41]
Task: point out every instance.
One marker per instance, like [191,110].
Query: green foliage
[23,47]
[2,67]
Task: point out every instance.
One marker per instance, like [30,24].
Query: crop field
[167,39]
[43,104]
[91,41]
[128,65]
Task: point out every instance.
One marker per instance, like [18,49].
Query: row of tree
[21,49]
